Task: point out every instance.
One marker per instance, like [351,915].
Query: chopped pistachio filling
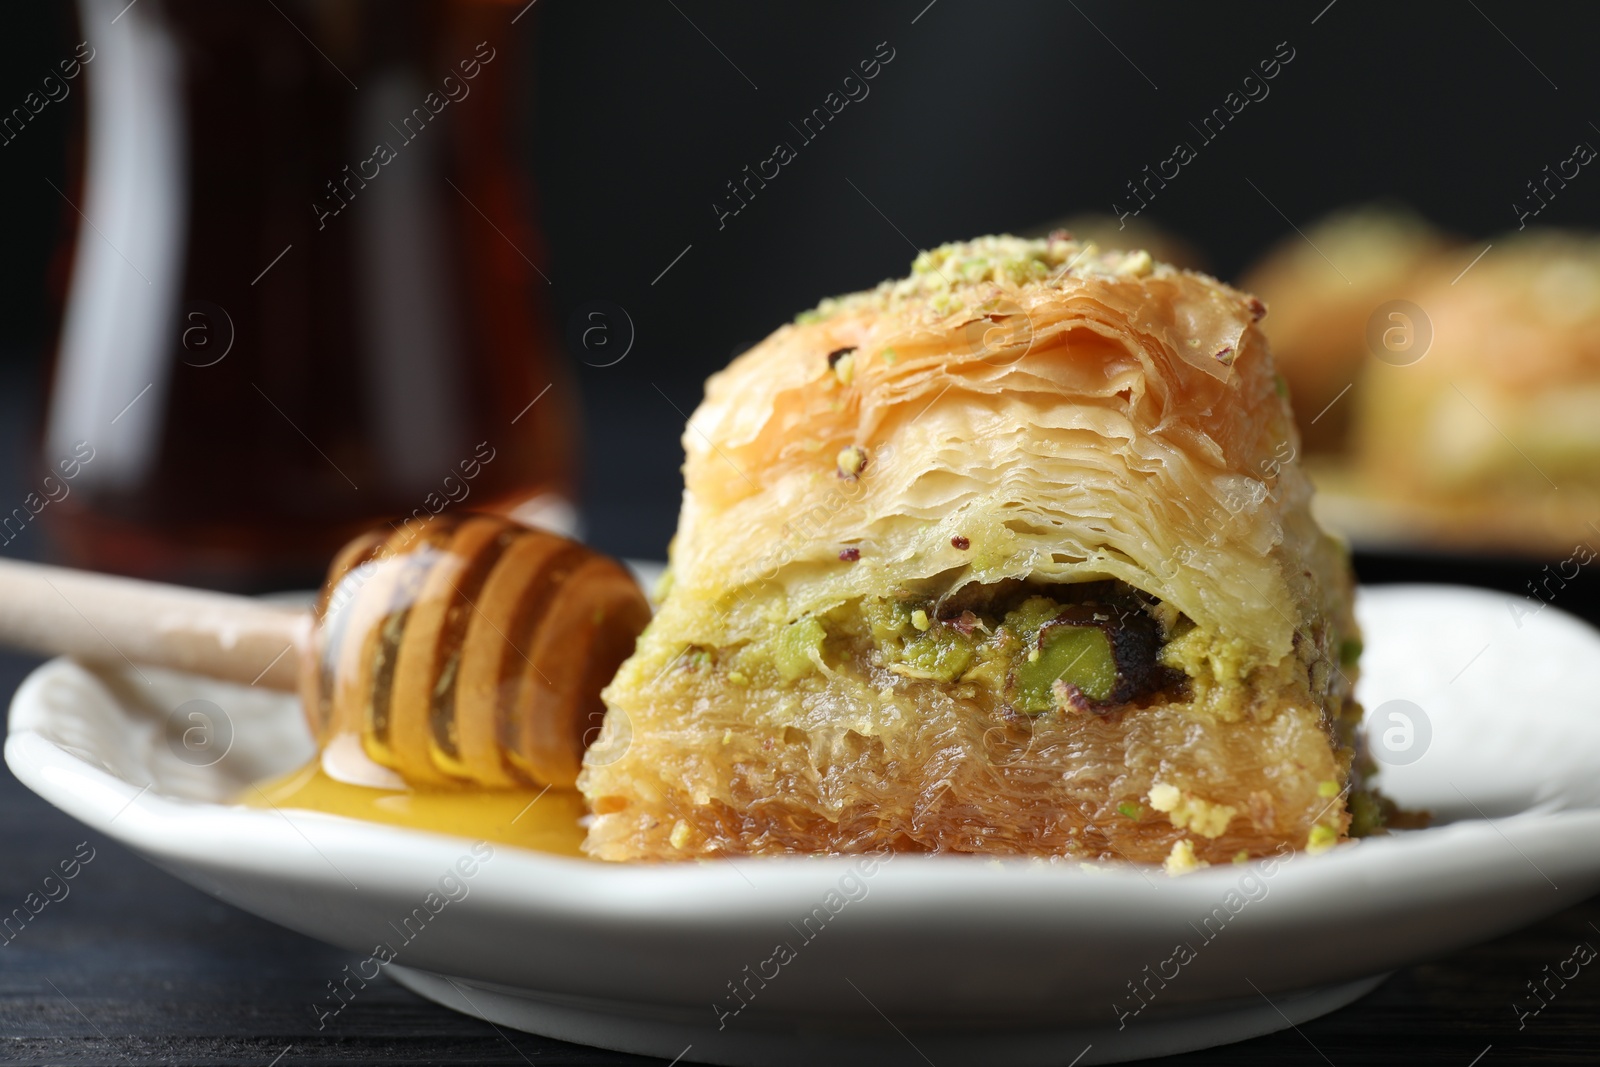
[1032,649]
[1079,656]
[795,645]
[1040,655]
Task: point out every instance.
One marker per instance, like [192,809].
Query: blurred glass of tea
[307,291]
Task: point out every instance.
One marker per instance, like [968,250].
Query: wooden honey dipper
[469,650]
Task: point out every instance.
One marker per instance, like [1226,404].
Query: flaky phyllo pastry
[1009,556]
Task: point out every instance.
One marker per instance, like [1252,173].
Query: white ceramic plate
[953,959]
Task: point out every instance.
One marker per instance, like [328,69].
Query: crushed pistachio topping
[1135,264]
[680,834]
[1327,790]
[738,678]
[851,461]
[937,274]
[727,736]
[1321,839]
[919,619]
[1242,856]
[1189,812]
[1131,810]
[1182,860]
[844,368]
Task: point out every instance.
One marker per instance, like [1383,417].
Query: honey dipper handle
[57,611]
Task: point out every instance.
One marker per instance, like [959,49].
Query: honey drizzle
[544,821]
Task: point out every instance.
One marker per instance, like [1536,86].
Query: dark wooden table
[135,967]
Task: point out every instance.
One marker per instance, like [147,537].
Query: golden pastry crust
[1014,414]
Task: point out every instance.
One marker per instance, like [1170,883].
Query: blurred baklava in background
[1321,289]
[1447,403]
[1493,438]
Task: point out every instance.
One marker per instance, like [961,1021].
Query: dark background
[992,117]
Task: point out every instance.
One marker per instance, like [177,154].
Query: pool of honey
[542,820]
